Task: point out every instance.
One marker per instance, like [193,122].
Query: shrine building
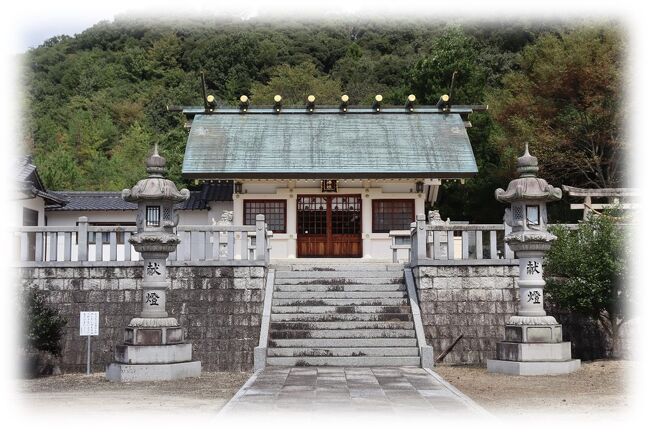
[331,181]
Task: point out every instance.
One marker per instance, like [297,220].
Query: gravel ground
[80,393]
[598,387]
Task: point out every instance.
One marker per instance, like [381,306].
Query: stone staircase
[355,314]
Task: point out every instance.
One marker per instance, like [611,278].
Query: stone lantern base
[153,349]
[533,349]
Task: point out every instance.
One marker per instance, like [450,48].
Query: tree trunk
[612,325]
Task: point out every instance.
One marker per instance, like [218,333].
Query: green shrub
[44,326]
[587,272]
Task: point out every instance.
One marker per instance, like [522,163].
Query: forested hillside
[95,103]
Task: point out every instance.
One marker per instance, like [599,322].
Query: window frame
[375,204]
[266,201]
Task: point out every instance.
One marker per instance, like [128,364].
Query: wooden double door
[329,226]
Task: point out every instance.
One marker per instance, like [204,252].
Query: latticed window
[274,211]
[346,215]
[392,214]
[153,216]
[312,215]
[167,214]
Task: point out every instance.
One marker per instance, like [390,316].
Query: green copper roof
[351,145]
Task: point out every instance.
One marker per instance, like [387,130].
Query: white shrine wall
[284,245]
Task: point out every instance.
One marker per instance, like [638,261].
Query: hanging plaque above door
[329,185]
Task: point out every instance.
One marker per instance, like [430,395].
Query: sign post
[88,325]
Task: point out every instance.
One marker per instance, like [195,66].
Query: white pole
[88,358]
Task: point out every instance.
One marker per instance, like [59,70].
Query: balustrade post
[421,236]
[82,239]
[508,253]
[24,247]
[413,252]
[479,244]
[260,238]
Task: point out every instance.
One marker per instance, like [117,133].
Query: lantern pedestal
[532,368]
[533,349]
[153,349]
[152,372]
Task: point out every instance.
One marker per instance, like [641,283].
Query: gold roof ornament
[243,103]
[376,105]
[344,103]
[410,100]
[211,102]
[443,102]
[310,103]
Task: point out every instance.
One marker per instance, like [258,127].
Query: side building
[211,204]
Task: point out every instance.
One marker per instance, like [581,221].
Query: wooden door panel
[329,226]
[350,247]
[312,246]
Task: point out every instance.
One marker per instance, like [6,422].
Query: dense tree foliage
[565,99]
[588,271]
[95,103]
[295,83]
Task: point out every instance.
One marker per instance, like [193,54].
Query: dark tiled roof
[112,200]
[25,169]
[29,182]
[95,200]
[210,191]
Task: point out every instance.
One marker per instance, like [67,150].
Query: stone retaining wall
[476,300]
[219,307]
[472,300]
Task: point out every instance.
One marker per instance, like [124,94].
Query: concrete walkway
[381,390]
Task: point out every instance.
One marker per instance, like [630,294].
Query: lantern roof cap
[527,164]
[156,164]
[155,186]
[528,187]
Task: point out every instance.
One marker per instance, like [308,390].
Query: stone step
[377,301]
[324,266]
[341,309]
[345,361]
[343,351]
[338,287]
[340,317]
[360,294]
[360,273]
[340,325]
[342,333]
[347,280]
[344,342]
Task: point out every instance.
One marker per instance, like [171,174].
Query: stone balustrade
[463,244]
[85,242]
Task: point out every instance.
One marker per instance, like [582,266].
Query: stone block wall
[473,300]
[220,308]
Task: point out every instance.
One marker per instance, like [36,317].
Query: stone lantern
[154,346]
[533,344]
